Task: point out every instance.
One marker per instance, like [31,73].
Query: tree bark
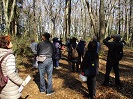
[119,23]
[8,19]
[67,18]
[102,21]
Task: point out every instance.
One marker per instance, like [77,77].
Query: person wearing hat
[45,63]
[74,60]
[113,58]
[81,49]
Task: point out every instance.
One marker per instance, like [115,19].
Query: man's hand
[112,36]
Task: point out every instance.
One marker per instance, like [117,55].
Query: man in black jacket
[45,47]
[112,61]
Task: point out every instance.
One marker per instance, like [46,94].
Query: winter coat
[81,46]
[10,91]
[45,48]
[110,46]
[89,59]
[57,51]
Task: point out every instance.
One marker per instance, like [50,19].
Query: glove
[108,38]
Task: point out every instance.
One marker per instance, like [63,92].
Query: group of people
[80,48]
[56,55]
[48,55]
[84,59]
[89,60]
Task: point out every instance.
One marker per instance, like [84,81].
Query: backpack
[74,53]
[118,52]
[3,79]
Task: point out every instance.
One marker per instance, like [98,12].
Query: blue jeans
[46,68]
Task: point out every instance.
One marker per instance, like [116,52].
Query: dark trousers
[73,66]
[55,62]
[109,66]
[91,84]
[75,62]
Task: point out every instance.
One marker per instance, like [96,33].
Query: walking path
[68,86]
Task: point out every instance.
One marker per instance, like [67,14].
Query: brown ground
[68,86]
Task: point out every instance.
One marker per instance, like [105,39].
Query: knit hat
[117,37]
[55,39]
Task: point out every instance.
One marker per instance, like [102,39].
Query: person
[10,90]
[56,55]
[69,41]
[33,47]
[80,49]
[61,45]
[111,61]
[45,47]
[74,61]
[98,44]
[90,59]
[94,39]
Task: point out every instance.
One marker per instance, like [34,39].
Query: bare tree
[67,18]
[131,23]
[34,18]
[101,20]
[94,20]
[8,14]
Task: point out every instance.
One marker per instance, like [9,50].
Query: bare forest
[26,19]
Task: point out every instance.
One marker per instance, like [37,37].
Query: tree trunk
[131,22]
[102,21]
[67,18]
[8,15]
[35,25]
[119,24]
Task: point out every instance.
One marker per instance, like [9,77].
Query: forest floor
[67,85]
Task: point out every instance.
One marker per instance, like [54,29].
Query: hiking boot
[50,93]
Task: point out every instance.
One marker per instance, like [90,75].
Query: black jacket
[45,48]
[88,59]
[110,46]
